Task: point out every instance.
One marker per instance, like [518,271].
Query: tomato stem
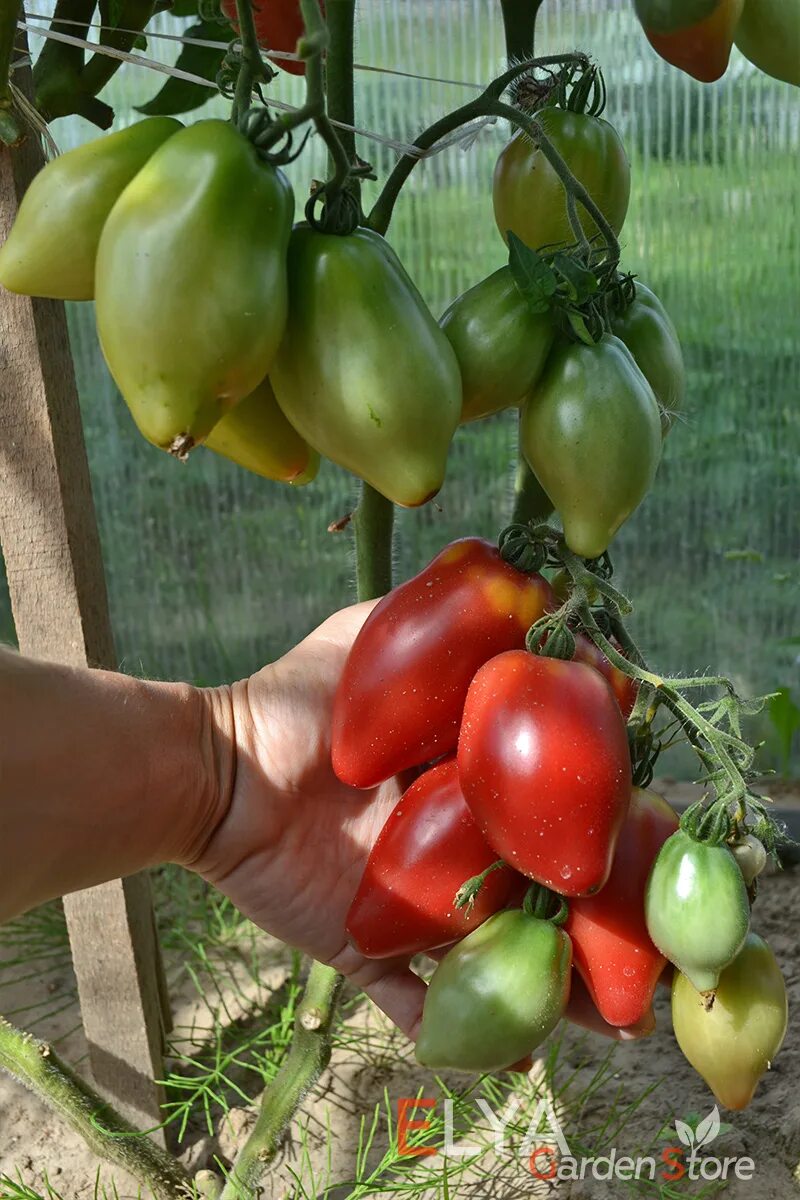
[251,66]
[712,727]
[482,106]
[308,1057]
[519,25]
[36,1065]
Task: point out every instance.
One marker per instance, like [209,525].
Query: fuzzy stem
[105,1132]
[308,1057]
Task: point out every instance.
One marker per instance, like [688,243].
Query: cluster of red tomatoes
[522,843]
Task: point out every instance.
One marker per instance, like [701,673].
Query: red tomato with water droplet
[612,949]
[544,766]
[428,848]
[402,692]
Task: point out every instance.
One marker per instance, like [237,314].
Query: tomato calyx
[710,825]
[545,905]
[467,894]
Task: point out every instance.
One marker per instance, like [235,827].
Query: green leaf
[139,43]
[183,8]
[579,327]
[179,95]
[581,282]
[532,275]
[785,717]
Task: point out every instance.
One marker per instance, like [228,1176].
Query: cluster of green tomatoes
[225,326]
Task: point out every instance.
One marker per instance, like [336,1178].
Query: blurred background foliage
[212,571]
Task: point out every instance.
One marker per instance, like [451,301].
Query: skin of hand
[292,843]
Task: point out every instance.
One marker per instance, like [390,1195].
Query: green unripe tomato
[732,1043]
[501,346]
[696,908]
[751,857]
[647,330]
[191,282]
[257,436]
[529,198]
[364,373]
[768,34]
[496,995]
[52,247]
[591,432]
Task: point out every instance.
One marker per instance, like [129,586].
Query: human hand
[292,842]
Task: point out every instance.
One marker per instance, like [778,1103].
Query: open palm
[293,844]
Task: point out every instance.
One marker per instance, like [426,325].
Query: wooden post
[50,542]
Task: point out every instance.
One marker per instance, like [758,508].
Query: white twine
[464,136]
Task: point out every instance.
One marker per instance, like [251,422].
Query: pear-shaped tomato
[496,995]
[429,846]
[612,948]
[402,691]
[768,34]
[52,247]
[695,35]
[591,431]
[257,436]
[646,329]
[732,1043]
[364,372]
[191,282]
[529,198]
[544,764]
[500,344]
[696,908]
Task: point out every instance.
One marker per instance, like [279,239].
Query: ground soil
[36,1146]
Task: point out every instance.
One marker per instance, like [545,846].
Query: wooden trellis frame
[49,539]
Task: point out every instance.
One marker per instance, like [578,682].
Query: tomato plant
[428,848]
[544,764]
[407,675]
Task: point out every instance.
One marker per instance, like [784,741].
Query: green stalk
[34,1064]
[57,72]
[372,525]
[308,1057]
[10,129]
[251,66]
[339,75]
[519,23]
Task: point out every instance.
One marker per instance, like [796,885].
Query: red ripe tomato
[544,765]
[429,846]
[612,949]
[624,688]
[402,692]
[279,26]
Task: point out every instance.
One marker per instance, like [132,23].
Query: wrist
[214,742]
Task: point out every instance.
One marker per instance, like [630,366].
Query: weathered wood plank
[50,542]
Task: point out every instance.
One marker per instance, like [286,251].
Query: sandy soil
[36,1144]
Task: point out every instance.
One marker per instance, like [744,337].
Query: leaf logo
[708,1128]
[684,1132]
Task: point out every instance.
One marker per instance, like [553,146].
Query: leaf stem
[106,1133]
